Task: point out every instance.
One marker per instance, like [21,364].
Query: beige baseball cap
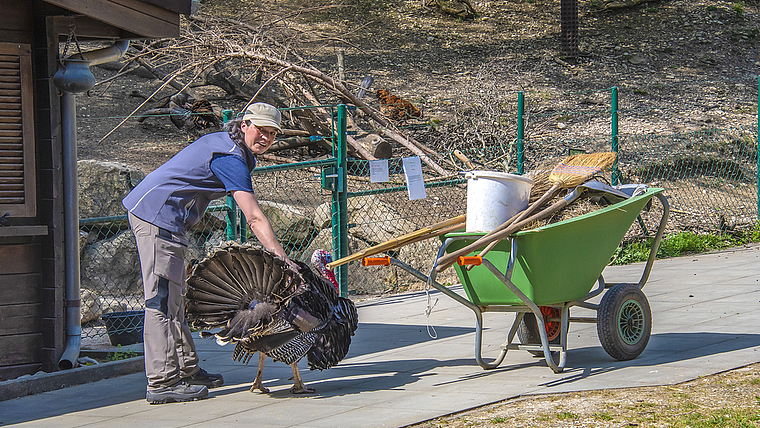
[263,114]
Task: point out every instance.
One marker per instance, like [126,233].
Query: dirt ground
[680,66]
[729,399]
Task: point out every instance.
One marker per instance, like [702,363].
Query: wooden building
[32,270]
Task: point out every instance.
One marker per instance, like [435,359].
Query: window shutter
[17,169]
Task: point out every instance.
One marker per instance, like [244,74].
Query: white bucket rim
[498,175]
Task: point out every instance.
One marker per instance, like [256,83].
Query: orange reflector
[470,260]
[376,261]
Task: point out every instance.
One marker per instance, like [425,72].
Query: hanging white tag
[378,171]
[415,183]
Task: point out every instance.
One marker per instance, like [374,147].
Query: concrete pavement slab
[703,307]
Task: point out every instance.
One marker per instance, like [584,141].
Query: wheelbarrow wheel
[624,321]
[527,333]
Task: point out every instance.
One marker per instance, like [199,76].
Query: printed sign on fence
[415,183]
[378,171]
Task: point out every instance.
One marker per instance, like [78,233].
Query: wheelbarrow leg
[557,368]
[539,319]
[475,309]
[479,343]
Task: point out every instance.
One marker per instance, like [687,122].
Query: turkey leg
[257,383]
[298,386]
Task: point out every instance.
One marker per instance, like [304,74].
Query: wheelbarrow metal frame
[529,305]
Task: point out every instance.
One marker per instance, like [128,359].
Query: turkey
[262,305]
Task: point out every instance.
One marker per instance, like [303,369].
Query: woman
[161,209]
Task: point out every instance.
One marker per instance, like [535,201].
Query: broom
[440,228]
[571,172]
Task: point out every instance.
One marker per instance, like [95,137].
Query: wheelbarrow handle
[427,232]
[376,261]
[470,260]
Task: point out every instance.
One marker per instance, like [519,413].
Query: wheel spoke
[631,322]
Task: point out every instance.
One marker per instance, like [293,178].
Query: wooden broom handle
[393,243]
[464,159]
[449,259]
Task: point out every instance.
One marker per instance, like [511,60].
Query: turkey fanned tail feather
[262,305]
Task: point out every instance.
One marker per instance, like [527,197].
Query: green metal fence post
[340,203]
[520,132]
[231,205]
[614,102]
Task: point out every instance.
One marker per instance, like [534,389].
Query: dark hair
[233,130]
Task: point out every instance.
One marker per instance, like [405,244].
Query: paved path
[706,313]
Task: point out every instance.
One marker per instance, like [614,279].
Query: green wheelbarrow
[540,274]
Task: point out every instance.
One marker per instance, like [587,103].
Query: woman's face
[258,139]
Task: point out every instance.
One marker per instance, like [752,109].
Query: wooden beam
[179,6]
[144,19]
[88,28]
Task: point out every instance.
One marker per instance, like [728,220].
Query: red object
[470,260]
[376,261]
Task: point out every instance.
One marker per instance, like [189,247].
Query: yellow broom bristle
[602,160]
[577,169]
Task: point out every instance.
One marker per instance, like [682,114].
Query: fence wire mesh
[710,179]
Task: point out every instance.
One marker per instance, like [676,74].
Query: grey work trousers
[169,347]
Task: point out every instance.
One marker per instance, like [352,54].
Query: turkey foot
[298,386]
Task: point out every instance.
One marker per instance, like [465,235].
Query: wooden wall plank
[18,289]
[20,349]
[20,319]
[17,15]
[88,28]
[20,258]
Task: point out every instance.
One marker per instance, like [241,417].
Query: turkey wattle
[264,306]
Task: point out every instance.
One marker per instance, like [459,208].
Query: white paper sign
[415,183]
[378,171]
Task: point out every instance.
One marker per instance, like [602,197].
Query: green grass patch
[602,416]
[683,243]
[121,355]
[728,418]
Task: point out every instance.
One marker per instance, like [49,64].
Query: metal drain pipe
[74,76]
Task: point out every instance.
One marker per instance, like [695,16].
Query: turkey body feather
[259,303]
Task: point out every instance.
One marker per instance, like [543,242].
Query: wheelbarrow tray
[556,263]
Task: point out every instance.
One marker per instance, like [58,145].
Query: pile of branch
[264,64]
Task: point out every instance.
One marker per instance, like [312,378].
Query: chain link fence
[710,179]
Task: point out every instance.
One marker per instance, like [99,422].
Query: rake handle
[450,259]
[399,241]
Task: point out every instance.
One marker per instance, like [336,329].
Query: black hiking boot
[202,377]
[177,393]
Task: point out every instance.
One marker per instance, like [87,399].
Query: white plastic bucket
[493,198]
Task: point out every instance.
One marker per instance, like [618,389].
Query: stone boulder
[291,224]
[91,306]
[112,266]
[102,186]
